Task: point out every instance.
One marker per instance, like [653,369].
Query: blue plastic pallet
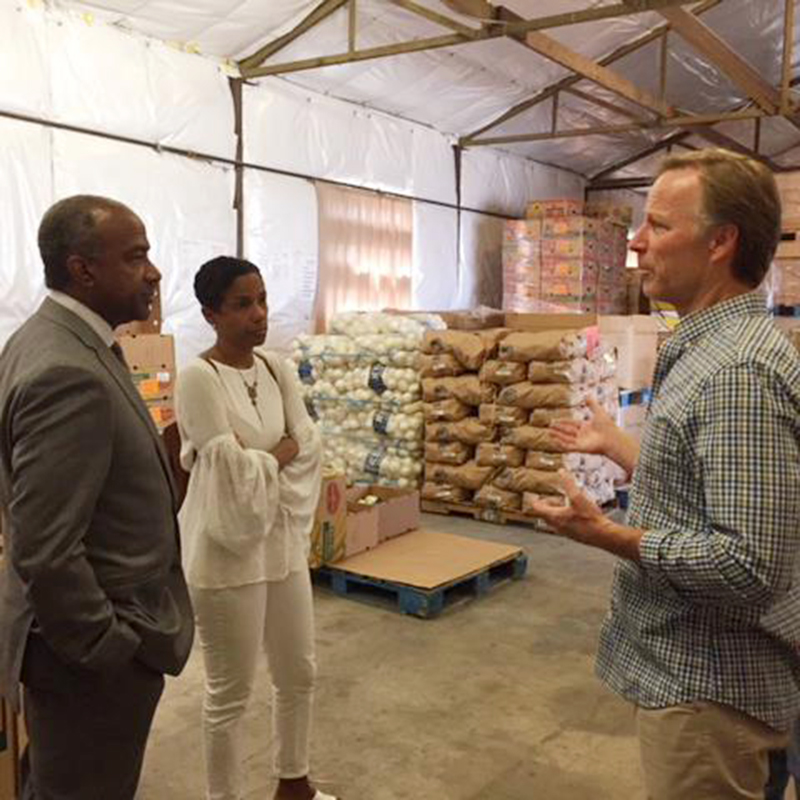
[425,603]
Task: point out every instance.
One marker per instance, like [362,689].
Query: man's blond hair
[740,191]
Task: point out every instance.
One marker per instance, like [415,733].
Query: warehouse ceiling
[599,87]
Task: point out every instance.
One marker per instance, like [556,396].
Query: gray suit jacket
[92,554]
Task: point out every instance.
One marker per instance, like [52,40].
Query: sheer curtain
[365,252]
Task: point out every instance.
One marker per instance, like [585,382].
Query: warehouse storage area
[441,197]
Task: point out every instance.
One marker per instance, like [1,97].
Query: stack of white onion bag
[489,408]
[361,382]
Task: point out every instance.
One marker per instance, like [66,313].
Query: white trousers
[233,625]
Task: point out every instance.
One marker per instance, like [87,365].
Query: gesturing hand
[594,436]
[583,520]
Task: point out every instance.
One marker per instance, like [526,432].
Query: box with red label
[329,533]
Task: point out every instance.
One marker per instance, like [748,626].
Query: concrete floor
[494,700]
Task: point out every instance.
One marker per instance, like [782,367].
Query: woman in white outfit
[254,457]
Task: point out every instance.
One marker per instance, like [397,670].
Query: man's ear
[80,271]
[723,242]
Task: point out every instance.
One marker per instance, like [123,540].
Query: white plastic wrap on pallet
[187,208]
[24,84]
[282,239]
[25,186]
[435,257]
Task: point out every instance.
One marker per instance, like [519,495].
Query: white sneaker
[322,796]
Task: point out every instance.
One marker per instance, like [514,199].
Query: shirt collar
[91,318]
[709,320]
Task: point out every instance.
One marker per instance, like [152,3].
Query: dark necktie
[117,351]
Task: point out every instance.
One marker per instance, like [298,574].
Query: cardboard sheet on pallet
[427,559]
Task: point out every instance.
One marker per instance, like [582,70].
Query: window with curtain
[365,252]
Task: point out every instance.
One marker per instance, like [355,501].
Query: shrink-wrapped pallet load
[362,383]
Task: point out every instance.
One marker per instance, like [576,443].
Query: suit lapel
[62,316]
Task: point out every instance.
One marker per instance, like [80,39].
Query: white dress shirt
[91,318]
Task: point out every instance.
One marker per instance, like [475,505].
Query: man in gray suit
[93,604]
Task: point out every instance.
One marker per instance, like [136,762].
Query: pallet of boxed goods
[424,572]
[566,257]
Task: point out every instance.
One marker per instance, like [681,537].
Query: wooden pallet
[482,514]
[424,603]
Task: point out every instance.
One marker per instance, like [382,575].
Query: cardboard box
[398,509]
[472,320]
[636,341]
[362,528]
[148,352]
[544,322]
[151,360]
[329,534]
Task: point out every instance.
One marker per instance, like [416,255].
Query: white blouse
[243,520]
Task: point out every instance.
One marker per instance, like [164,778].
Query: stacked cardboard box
[151,360]
[349,521]
[561,258]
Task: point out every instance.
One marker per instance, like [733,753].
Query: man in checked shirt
[703,631]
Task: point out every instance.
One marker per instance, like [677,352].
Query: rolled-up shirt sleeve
[746,444]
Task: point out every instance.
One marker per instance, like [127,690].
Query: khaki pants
[704,751]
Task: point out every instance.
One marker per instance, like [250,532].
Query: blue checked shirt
[712,611]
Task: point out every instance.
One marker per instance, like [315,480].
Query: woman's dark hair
[215,277]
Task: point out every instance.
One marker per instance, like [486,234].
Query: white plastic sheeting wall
[63,68]
[26,189]
[309,134]
[281,237]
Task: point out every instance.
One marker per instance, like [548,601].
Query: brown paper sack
[508,416]
[439,366]
[466,388]
[450,410]
[522,479]
[448,452]
[469,348]
[543,417]
[579,370]
[536,459]
[530,438]
[489,496]
[527,346]
[503,373]
[541,395]
[444,493]
[499,455]
[469,431]
[467,476]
